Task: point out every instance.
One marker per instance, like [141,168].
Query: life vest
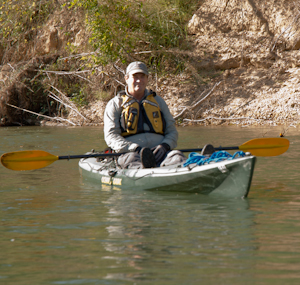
[131,121]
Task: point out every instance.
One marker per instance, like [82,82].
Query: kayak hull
[229,177]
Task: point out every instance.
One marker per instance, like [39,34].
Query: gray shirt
[112,128]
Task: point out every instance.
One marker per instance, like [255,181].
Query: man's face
[137,84]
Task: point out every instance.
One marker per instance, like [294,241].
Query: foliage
[19,19]
[125,30]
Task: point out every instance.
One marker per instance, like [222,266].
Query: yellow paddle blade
[27,160]
[266,146]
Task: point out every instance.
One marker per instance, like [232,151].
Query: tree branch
[197,103]
[44,116]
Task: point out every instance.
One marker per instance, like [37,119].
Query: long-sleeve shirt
[112,128]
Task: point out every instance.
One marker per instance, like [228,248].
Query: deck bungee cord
[198,159]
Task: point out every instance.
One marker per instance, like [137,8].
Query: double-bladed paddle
[35,159]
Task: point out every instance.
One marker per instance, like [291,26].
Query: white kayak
[229,177]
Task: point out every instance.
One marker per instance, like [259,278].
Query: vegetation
[126,30]
[118,31]
[20,20]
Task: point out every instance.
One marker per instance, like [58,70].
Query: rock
[194,24]
[262,63]
[52,40]
[231,63]
[228,64]
[226,73]
[80,39]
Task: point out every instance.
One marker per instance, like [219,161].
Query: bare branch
[44,116]
[84,78]
[295,19]
[216,118]
[65,72]
[119,69]
[78,55]
[70,104]
[25,86]
[118,81]
[143,52]
[197,103]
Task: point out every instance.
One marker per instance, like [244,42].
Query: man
[139,122]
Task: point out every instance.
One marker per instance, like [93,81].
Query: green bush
[19,20]
[126,30]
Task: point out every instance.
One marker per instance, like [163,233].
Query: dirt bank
[256,46]
[243,68]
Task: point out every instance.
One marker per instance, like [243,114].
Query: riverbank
[242,70]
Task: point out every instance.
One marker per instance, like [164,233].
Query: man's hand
[160,151]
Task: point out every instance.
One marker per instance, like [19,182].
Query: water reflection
[157,230]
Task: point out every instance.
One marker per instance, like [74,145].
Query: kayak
[220,173]
[228,177]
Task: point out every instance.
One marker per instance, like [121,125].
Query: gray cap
[136,67]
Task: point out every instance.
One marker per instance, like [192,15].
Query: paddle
[35,159]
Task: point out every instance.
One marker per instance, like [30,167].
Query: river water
[57,228]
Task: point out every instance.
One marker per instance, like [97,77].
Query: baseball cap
[136,67]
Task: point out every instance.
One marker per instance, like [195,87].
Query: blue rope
[199,159]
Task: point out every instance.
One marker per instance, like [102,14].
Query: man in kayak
[139,122]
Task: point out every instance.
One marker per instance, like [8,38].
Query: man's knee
[128,159]
[174,157]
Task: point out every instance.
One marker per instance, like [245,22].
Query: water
[59,229]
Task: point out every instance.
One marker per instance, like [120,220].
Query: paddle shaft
[262,145]
[121,153]
[242,147]
[90,155]
[216,148]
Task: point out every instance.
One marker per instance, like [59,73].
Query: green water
[57,228]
